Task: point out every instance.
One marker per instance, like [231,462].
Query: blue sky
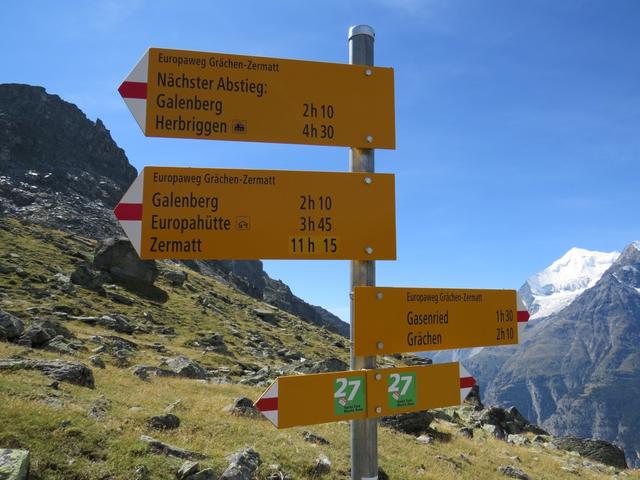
[518,123]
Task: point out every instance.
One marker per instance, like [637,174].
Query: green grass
[68,444]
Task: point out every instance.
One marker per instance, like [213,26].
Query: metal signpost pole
[364,433]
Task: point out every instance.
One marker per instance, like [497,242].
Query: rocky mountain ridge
[60,169]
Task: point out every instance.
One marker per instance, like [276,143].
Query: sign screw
[368,72]
[368,180]
[369,250]
[380,345]
[378,376]
[369,138]
[378,409]
[379,295]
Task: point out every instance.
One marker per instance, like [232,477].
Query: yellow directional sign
[394,320]
[410,389]
[330,397]
[320,398]
[218,96]
[197,213]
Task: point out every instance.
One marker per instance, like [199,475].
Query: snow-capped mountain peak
[559,284]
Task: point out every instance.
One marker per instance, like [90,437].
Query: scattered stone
[425,439]
[156,446]
[14,464]
[243,407]
[414,423]
[313,438]
[41,331]
[96,361]
[265,315]
[89,278]
[11,327]
[184,367]
[321,467]
[116,322]
[118,258]
[141,472]
[119,298]
[466,432]
[167,421]
[415,360]
[512,472]
[242,465]
[382,475]
[100,408]
[55,385]
[144,372]
[206,474]
[62,345]
[494,430]
[518,439]
[187,468]
[63,371]
[331,364]
[598,450]
[175,277]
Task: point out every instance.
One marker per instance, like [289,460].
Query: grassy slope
[68,444]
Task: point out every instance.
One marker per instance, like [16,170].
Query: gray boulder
[10,327]
[598,450]
[14,464]
[322,466]
[71,372]
[242,465]
[116,322]
[87,277]
[185,367]
[41,331]
[117,257]
[175,277]
[414,423]
[167,421]
[331,364]
[509,471]
[187,469]
[243,407]
[161,448]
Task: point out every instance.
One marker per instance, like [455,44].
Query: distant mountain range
[577,368]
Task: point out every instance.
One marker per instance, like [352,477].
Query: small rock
[71,372]
[184,367]
[156,446]
[321,467]
[96,361]
[330,364]
[512,472]
[206,474]
[414,423]
[175,277]
[167,421]
[55,385]
[313,438]
[141,472]
[242,465]
[425,439]
[243,407]
[11,327]
[518,439]
[187,468]
[494,430]
[466,432]
[99,408]
[14,464]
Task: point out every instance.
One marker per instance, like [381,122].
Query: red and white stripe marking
[523,315]
[466,382]
[129,212]
[134,91]
[267,404]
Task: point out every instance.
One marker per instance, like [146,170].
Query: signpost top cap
[361,30]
